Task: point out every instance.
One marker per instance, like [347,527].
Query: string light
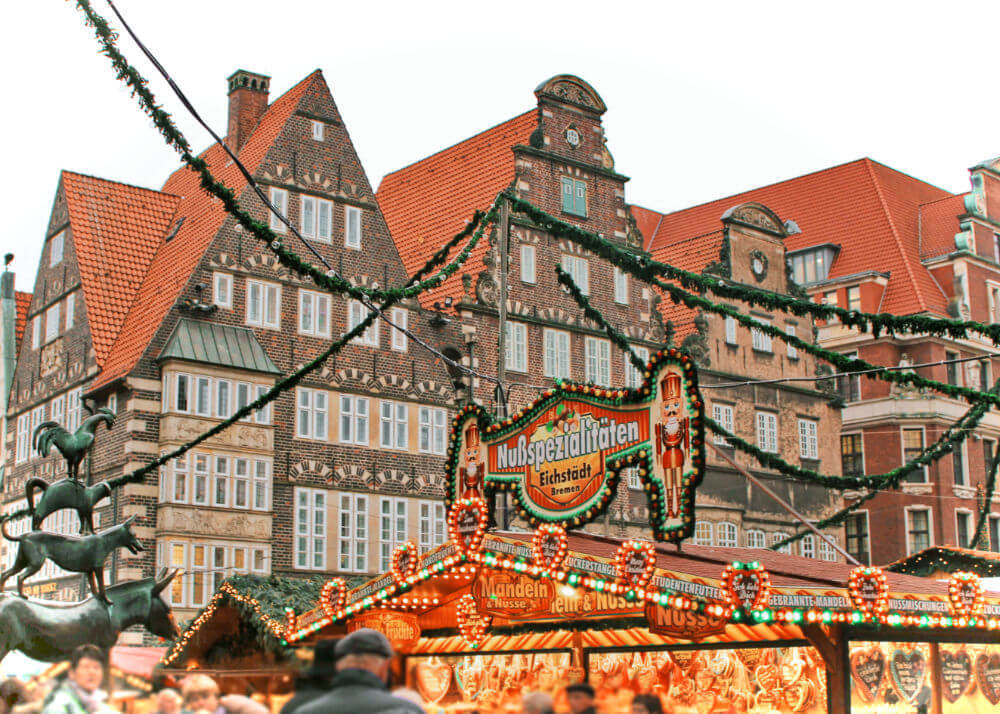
[746,585]
[546,556]
[465,534]
[404,563]
[965,594]
[635,563]
[868,588]
[333,596]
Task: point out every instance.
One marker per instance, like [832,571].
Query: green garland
[991,482]
[647,269]
[176,140]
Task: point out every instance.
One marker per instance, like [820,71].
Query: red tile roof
[692,254]
[869,209]
[203,217]
[428,202]
[23,302]
[116,229]
[939,224]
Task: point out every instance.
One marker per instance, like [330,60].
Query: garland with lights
[965,594]
[747,586]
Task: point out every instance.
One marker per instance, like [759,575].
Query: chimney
[247,104]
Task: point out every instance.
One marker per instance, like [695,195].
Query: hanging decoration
[471,625]
[868,587]
[549,547]
[291,621]
[561,455]
[333,596]
[965,594]
[868,668]
[635,562]
[467,522]
[746,585]
[405,562]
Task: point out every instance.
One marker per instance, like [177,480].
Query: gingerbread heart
[746,585]
[791,671]
[907,670]
[768,677]
[868,666]
[433,680]
[704,702]
[635,562]
[799,695]
[467,525]
[956,674]
[548,547]
[405,561]
[869,590]
[988,676]
[333,596]
[965,594]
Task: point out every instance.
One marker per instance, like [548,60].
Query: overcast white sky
[705,99]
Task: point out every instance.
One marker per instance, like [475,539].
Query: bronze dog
[84,554]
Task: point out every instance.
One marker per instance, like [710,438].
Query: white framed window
[22,450]
[598,360]
[310,529]
[756,539]
[52,323]
[312,414]
[826,551]
[433,432]
[621,286]
[73,407]
[36,332]
[202,402]
[808,439]
[70,309]
[574,196]
[37,417]
[392,528]
[57,410]
[56,245]
[793,352]
[777,538]
[262,415]
[723,414]
[913,445]
[633,478]
[730,325]
[963,528]
[555,348]
[727,535]
[354,420]
[223,398]
[400,318]
[356,314]
[222,290]
[177,479]
[352,227]
[220,481]
[263,304]
[262,484]
[353,542]
[767,432]
[393,425]
[703,533]
[918,530]
[279,199]
[579,270]
[516,347]
[314,313]
[317,218]
[199,481]
[317,130]
[182,393]
[431,529]
[633,377]
[761,341]
[807,546]
[527,263]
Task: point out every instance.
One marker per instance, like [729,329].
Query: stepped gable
[428,202]
[203,216]
[869,209]
[22,302]
[116,230]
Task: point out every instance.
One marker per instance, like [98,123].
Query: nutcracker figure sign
[561,456]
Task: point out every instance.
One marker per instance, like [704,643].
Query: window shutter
[567,194]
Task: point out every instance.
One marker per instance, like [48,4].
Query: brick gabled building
[556,156]
[877,240]
[156,304]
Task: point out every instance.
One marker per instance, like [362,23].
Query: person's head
[200,692]
[579,696]
[324,662]
[168,701]
[86,667]
[646,704]
[536,703]
[365,649]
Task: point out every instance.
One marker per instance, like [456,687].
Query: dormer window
[812,265]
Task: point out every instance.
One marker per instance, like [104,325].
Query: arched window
[808,547]
[777,538]
[727,535]
[703,533]
[755,539]
[826,551]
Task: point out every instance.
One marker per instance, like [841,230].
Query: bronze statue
[65,493]
[84,554]
[50,631]
[73,446]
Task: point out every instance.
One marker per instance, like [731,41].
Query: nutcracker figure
[671,434]
[471,476]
